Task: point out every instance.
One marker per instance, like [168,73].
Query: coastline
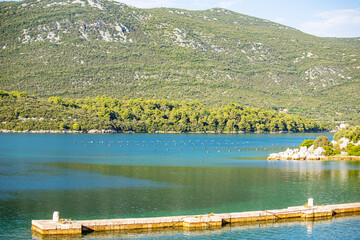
[104,131]
[322,149]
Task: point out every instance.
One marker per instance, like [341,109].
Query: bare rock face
[319,151]
[311,148]
[303,149]
[343,142]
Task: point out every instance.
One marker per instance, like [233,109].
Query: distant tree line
[19,111]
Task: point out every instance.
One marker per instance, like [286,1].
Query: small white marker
[56,217]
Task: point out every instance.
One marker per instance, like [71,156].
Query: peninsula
[345,146]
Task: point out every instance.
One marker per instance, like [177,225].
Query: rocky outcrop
[102,131]
[304,153]
[343,142]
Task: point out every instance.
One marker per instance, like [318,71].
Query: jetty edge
[57,226]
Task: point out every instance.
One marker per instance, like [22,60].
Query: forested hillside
[85,48]
[20,112]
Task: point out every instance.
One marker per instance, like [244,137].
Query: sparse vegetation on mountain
[81,48]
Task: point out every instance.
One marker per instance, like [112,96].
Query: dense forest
[22,112]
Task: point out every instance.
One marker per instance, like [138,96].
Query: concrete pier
[50,227]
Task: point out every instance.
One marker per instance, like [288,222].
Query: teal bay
[104,176]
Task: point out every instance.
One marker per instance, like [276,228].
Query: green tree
[353,150]
[307,143]
[4,93]
[71,103]
[329,151]
[323,142]
[56,100]
[63,126]
[24,94]
[15,94]
[76,127]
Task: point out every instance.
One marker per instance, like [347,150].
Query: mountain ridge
[88,47]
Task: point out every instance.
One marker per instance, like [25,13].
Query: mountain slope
[88,47]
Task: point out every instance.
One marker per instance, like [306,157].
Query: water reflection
[316,170]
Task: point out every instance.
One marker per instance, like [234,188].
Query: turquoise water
[90,176]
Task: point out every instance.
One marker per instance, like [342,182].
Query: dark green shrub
[307,143]
[18,128]
[56,100]
[76,127]
[24,94]
[323,142]
[329,151]
[63,126]
[353,150]
[4,93]
[337,152]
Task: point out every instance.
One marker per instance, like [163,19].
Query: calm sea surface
[88,176]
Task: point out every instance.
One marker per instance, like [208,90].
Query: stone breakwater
[307,212]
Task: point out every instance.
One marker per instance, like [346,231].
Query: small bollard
[310,202]
[56,217]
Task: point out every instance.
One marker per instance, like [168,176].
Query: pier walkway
[56,226]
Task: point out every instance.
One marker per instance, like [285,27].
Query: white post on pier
[310,202]
[56,217]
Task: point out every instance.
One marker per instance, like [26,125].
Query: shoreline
[104,131]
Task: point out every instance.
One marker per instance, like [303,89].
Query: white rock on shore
[343,142]
[295,154]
